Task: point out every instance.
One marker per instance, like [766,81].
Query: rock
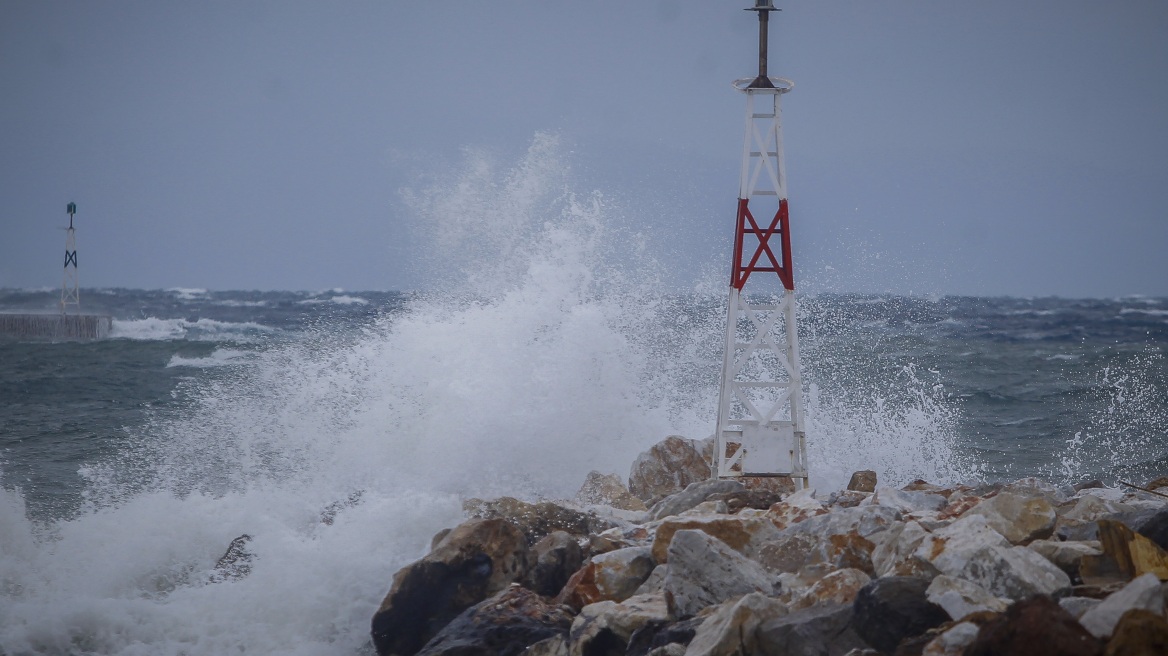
[894,552]
[1156,528]
[476,560]
[742,534]
[553,560]
[235,563]
[837,588]
[818,631]
[796,551]
[847,498]
[612,576]
[1078,606]
[1067,556]
[1034,627]
[1139,633]
[953,640]
[758,498]
[439,537]
[553,646]
[949,549]
[608,490]
[655,582]
[1014,573]
[863,481]
[960,597]
[1125,555]
[796,508]
[1157,483]
[707,508]
[536,520]
[731,629]
[1018,517]
[667,468]
[704,571]
[606,627]
[664,637]
[619,573]
[692,495]
[503,625]
[1144,593]
[893,608]
[907,502]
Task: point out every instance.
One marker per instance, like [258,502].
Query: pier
[55,326]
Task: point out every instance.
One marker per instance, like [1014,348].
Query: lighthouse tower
[70,295]
[760,409]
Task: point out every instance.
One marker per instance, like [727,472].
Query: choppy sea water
[127,465]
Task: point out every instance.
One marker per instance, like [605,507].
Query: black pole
[764,8]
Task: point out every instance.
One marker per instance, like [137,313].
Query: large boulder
[891,609]
[608,490]
[502,625]
[895,552]
[731,629]
[667,468]
[835,589]
[863,481]
[960,597]
[553,560]
[742,534]
[1126,555]
[1019,516]
[1034,627]
[1143,593]
[474,561]
[693,494]
[817,631]
[605,627]
[536,520]
[1139,632]
[1014,573]
[704,571]
[611,576]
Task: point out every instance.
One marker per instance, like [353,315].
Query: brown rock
[1158,483]
[477,559]
[607,490]
[1035,627]
[667,468]
[863,481]
[1126,555]
[1139,633]
[838,587]
[741,534]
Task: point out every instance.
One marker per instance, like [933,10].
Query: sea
[129,464]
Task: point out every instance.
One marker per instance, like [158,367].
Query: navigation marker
[760,407]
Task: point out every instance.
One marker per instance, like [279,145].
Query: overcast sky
[992,147]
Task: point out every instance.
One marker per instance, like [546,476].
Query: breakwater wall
[55,326]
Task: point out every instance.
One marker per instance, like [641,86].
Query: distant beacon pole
[69,290]
[760,408]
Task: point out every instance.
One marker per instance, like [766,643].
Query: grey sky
[991,147]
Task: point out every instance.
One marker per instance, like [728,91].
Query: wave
[218,358]
[156,329]
[339,300]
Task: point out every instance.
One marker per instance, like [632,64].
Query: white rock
[620,619]
[1018,516]
[894,552]
[703,571]
[1014,573]
[949,548]
[1143,592]
[960,597]
[1077,606]
[907,502]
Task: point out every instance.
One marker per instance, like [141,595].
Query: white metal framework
[70,296]
[760,410]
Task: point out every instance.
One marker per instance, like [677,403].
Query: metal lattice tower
[70,296]
[760,409]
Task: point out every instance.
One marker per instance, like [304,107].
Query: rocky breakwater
[683,564]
